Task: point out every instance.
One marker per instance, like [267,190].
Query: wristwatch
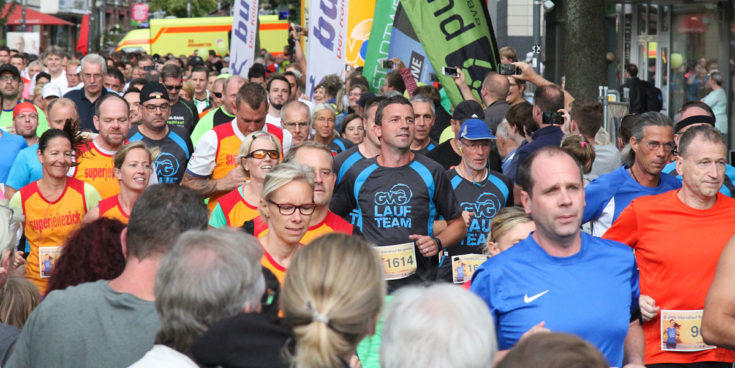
[438,243]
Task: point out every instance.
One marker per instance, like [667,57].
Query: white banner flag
[244,31]
[327,41]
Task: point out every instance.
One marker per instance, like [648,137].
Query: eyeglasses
[217,94]
[152,108]
[171,88]
[288,209]
[8,78]
[300,124]
[91,76]
[261,153]
[654,145]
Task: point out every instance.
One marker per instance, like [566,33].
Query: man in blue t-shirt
[10,145]
[398,195]
[651,146]
[481,193]
[559,278]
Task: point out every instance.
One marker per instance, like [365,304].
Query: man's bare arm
[634,345]
[718,323]
[207,187]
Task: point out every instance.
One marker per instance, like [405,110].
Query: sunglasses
[171,88]
[261,153]
[217,94]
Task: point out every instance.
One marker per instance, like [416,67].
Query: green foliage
[199,8]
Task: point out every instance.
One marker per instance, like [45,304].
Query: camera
[386,64]
[552,118]
[509,69]
[450,71]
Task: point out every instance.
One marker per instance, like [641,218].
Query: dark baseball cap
[152,90]
[468,110]
[11,69]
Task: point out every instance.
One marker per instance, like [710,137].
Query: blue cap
[474,129]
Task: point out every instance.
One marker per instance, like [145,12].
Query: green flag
[455,34]
[385,11]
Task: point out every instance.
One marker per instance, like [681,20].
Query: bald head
[495,87]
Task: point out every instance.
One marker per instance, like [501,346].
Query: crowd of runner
[158,211]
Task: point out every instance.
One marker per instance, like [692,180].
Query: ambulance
[183,36]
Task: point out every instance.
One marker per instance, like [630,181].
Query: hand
[460,79]
[426,244]
[466,217]
[527,72]
[235,178]
[18,267]
[539,328]
[649,310]
[398,63]
[566,127]
[355,362]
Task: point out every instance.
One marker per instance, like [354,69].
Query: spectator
[205,278]
[93,252]
[717,100]
[421,322]
[581,150]
[330,313]
[586,120]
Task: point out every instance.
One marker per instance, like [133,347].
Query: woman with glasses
[259,153]
[132,166]
[54,205]
[286,206]
[515,90]
[353,128]
[323,122]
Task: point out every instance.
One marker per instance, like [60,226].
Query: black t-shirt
[338,145]
[394,203]
[425,151]
[175,151]
[444,154]
[220,117]
[183,114]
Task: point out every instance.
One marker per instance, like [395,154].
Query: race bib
[681,330]
[47,257]
[464,266]
[399,260]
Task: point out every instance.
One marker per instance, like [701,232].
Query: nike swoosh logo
[527,299]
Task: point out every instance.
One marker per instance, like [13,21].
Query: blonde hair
[283,174]
[188,89]
[318,108]
[328,312]
[19,298]
[506,219]
[248,142]
[122,153]
[577,146]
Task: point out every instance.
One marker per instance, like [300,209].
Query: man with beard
[10,96]
[651,145]
[279,91]
[95,167]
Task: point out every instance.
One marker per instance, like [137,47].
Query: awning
[33,17]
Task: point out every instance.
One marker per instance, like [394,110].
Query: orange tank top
[110,207]
[47,225]
[228,145]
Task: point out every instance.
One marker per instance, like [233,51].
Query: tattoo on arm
[205,187]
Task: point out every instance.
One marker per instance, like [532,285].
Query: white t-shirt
[270,119]
[164,356]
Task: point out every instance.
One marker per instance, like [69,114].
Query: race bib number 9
[681,330]
[399,260]
[464,266]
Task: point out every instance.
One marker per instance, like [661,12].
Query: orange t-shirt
[331,224]
[268,262]
[96,168]
[47,225]
[111,208]
[677,248]
[228,145]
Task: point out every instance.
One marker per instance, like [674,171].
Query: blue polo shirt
[85,108]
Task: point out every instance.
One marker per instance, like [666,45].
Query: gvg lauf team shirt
[393,203]
[175,151]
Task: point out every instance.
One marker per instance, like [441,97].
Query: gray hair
[283,174]
[503,130]
[427,99]
[645,120]
[420,322]
[95,59]
[9,225]
[319,108]
[207,276]
[709,134]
